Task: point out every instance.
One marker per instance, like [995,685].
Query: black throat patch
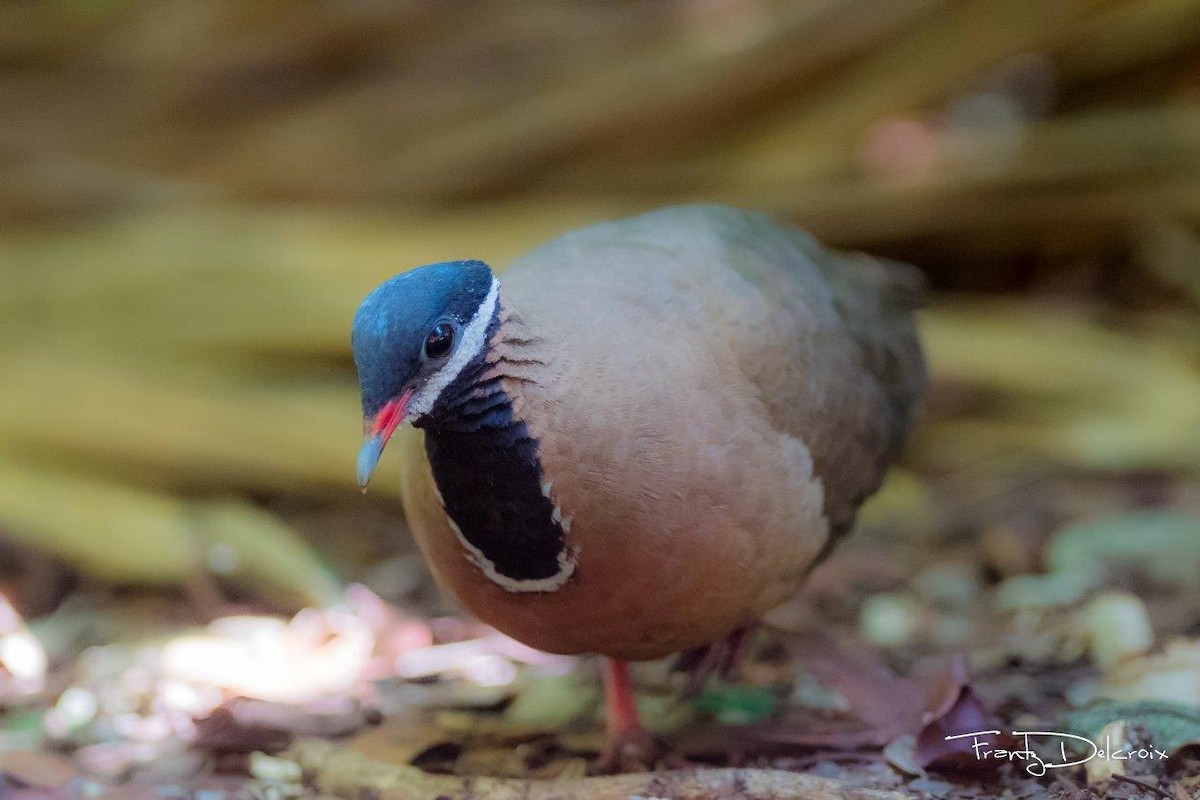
[486,466]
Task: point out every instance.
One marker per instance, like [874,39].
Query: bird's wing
[825,341]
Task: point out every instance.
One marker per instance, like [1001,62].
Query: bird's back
[824,341]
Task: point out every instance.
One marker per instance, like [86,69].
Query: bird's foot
[628,746]
[630,750]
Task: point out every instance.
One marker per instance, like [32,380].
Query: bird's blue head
[412,337]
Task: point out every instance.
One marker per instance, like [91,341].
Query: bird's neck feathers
[488,469]
[475,396]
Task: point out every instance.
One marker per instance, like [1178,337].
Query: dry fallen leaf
[1172,675]
[313,655]
[38,769]
[955,710]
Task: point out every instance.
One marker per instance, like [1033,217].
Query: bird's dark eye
[440,340]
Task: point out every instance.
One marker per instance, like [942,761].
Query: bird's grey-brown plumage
[713,395]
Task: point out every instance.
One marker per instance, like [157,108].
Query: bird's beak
[378,431]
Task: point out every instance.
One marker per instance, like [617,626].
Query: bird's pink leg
[628,746]
[621,715]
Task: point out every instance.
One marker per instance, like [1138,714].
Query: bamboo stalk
[1064,388]
[259,282]
[1127,36]
[1084,167]
[626,99]
[908,74]
[179,427]
[118,533]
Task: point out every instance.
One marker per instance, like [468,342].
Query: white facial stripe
[474,339]
[566,567]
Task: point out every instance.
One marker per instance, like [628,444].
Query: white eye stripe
[474,339]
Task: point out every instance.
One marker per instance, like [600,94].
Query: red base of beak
[379,432]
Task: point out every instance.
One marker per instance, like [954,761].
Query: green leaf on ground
[1170,725]
[737,705]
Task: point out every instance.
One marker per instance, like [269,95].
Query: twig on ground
[1146,787]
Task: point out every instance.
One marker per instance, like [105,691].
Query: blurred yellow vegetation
[204,192]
